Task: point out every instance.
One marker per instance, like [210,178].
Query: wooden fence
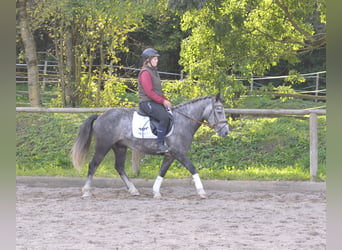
[136,156]
[48,74]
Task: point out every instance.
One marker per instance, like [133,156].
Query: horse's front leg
[130,186]
[168,159]
[197,180]
[199,186]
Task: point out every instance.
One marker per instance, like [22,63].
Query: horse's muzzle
[222,130]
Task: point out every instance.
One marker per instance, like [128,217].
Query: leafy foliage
[85,33]
[263,142]
[247,37]
[214,40]
[265,149]
[182,5]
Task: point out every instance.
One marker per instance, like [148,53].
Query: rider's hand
[167,104]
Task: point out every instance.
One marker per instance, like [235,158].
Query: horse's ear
[218,98]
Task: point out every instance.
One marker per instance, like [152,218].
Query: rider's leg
[161,133]
[158,112]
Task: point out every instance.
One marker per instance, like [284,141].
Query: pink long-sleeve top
[146,83]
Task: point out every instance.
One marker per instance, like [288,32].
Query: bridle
[213,126]
[217,121]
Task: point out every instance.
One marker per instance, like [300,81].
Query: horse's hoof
[86,192]
[203,196]
[86,195]
[134,191]
[157,195]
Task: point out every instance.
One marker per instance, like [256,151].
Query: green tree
[244,37]
[86,33]
[160,30]
[27,38]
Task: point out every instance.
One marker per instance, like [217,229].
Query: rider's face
[154,61]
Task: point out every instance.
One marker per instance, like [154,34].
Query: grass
[256,149]
[23,100]
[150,172]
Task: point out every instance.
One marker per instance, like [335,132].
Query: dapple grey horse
[113,130]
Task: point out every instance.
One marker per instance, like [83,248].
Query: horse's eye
[219,110]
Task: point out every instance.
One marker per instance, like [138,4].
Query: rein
[204,123]
[195,120]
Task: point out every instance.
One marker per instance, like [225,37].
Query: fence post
[317,85]
[136,158]
[252,84]
[44,74]
[313,146]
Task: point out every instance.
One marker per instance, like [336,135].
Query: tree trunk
[30,54]
[99,81]
[59,55]
[70,67]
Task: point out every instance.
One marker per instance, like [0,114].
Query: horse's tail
[82,143]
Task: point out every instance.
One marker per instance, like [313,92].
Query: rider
[152,100]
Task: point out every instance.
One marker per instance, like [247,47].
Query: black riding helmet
[149,53]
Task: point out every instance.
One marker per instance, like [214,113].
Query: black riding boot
[162,148]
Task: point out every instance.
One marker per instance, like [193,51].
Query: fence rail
[48,75]
[136,156]
[266,112]
[49,68]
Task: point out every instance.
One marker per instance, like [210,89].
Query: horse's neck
[196,110]
[200,109]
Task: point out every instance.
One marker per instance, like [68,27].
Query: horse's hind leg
[120,158]
[100,153]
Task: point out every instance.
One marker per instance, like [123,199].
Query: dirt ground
[50,214]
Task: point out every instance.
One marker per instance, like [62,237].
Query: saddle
[145,127]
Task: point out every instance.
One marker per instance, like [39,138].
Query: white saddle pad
[141,127]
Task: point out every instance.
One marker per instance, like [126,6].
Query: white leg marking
[199,186]
[156,187]
[86,193]
[86,189]
[132,190]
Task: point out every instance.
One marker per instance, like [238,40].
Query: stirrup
[162,148]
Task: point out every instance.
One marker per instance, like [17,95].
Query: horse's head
[217,117]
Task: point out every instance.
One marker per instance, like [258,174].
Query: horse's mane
[192,101]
